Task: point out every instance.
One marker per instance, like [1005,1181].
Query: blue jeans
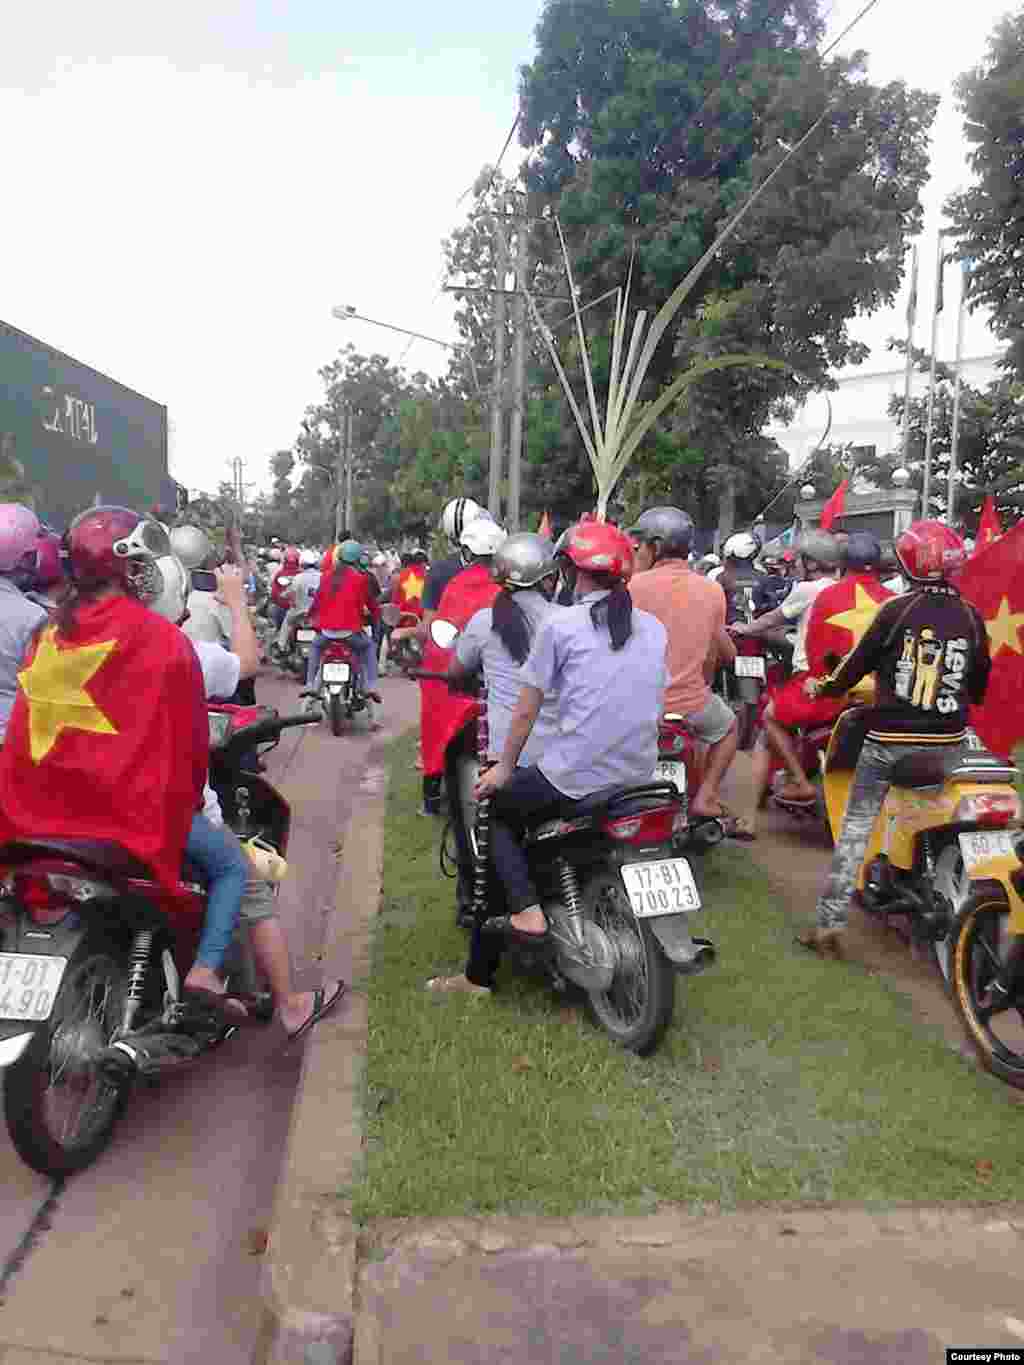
[361,646]
[215,850]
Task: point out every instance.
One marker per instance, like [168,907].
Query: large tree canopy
[989,217]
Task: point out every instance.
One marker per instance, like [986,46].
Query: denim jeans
[360,644]
[215,850]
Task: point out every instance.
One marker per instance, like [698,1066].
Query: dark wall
[77,433]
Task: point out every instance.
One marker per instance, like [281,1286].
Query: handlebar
[264,730]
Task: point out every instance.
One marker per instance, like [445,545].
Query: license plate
[305,637]
[28,985]
[749,666]
[980,845]
[665,887]
[337,673]
[675,773]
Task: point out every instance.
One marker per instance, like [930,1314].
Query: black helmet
[862,550]
[671,525]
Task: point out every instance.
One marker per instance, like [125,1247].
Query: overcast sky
[194,185]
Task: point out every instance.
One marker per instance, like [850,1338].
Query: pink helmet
[49,568]
[19,527]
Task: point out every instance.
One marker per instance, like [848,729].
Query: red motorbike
[92,955]
[341,691]
[680,757]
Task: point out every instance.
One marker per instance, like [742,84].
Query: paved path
[154,1253]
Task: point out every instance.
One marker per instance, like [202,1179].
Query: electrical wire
[497,164]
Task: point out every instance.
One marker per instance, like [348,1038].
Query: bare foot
[456,985]
[204,979]
[529,921]
[296,1009]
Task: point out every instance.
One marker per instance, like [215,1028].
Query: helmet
[821,546]
[290,559]
[274,556]
[482,538]
[742,545]
[417,555]
[862,550]
[169,601]
[708,562]
[929,551]
[597,547]
[48,568]
[379,560]
[524,560]
[457,515]
[19,527]
[670,525]
[350,552]
[309,559]
[191,545]
[114,544]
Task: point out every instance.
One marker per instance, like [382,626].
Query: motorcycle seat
[102,856]
[919,770]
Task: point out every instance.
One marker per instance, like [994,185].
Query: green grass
[781,1079]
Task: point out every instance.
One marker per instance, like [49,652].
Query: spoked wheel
[993,1020]
[60,1109]
[637,1007]
[952,881]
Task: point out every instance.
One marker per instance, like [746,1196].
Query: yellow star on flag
[857,618]
[54,685]
[412,588]
[1004,628]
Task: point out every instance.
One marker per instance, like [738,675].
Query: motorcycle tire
[87,1009]
[979,931]
[336,715]
[746,721]
[637,1009]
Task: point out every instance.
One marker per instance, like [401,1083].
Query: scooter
[93,953]
[340,692]
[944,853]
[616,884]
[407,653]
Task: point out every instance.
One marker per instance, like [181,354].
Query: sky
[198,183]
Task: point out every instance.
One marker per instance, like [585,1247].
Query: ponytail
[65,612]
[615,610]
[510,625]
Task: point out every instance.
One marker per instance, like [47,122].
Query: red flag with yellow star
[993,580]
[109,737]
[840,615]
[409,589]
[989,529]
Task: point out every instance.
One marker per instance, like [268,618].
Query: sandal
[322,1004]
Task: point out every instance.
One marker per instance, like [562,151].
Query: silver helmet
[192,545]
[524,560]
[671,525]
[821,546]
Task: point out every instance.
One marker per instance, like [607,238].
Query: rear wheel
[746,721]
[952,881]
[637,1007]
[994,1021]
[336,714]
[59,1108]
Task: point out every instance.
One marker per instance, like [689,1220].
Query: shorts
[259,901]
[795,710]
[713,721]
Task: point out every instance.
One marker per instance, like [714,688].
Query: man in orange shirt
[692,610]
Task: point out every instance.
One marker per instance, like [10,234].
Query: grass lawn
[782,1078]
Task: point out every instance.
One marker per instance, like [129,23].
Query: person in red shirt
[343,605]
[280,598]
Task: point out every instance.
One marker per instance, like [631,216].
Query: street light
[808,491]
[346,312]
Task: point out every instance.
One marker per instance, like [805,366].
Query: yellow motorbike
[946,851]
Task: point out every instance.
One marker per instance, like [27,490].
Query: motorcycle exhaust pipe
[147,1057]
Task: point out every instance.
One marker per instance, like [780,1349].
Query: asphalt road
[154,1253]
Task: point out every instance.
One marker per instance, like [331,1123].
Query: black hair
[511,626]
[615,610]
[72,596]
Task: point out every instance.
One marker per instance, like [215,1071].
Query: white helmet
[274,556]
[191,544]
[457,515]
[309,559]
[482,537]
[170,600]
[742,545]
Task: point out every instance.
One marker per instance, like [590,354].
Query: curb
[308,1282]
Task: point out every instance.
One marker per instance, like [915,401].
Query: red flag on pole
[989,529]
[994,581]
[544,529]
[833,509]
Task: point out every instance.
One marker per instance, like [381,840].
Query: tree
[648,122]
[989,217]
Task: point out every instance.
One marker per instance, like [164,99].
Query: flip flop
[322,1005]
[502,924]
[229,1007]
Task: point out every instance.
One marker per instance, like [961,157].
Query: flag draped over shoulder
[443,713]
[109,737]
[839,617]
[993,580]
[409,589]
[989,529]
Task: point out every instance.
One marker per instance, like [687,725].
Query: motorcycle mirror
[443,633]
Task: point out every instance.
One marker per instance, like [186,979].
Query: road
[154,1253]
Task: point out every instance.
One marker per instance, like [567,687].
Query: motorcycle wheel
[996,1031]
[951,880]
[59,1109]
[637,1008]
[336,715]
[746,721]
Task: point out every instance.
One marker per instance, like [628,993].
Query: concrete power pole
[515,444]
[350,518]
[498,379]
[344,433]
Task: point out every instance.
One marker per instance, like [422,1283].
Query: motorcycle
[340,691]
[92,956]
[616,885]
[406,653]
[680,760]
[945,852]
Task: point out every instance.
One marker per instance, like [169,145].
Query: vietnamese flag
[840,615]
[443,713]
[409,589]
[993,580]
[989,529]
[109,737]
[834,507]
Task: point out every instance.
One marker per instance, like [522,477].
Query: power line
[497,164]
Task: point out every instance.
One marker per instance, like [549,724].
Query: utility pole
[498,378]
[344,433]
[350,519]
[515,444]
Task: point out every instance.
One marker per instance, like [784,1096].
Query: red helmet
[42,564]
[290,560]
[598,547]
[929,551]
[115,544]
